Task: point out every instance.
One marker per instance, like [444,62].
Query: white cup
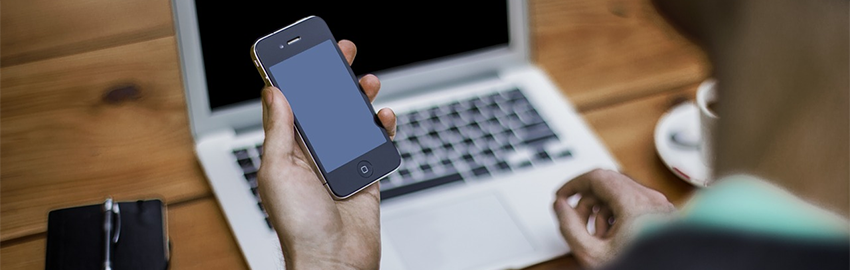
[707,94]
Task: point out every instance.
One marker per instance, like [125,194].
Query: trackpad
[457,235]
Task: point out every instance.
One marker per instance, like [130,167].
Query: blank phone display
[328,105]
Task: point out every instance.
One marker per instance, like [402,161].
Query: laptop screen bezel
[248,114]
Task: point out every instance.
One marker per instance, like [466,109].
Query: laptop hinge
[391,95]
[249,129]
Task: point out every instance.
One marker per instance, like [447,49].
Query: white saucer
[684,161]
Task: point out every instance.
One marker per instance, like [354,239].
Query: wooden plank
[202,239]
[605,52]
[69,139]
[199,235]
[575,41]
[27,254]
[627,130]
[39,29]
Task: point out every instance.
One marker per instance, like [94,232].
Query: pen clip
[117,211]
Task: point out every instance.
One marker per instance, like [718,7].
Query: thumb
[278,124]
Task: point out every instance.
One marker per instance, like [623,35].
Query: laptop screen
[388,35]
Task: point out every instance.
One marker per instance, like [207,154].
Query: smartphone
[334,118]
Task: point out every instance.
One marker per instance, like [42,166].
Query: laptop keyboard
[466,140]
[249,160]
[471,139]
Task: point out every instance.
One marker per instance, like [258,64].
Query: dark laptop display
[388,34]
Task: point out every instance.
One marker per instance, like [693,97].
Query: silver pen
[109,209]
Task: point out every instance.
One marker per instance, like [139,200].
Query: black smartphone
[334,118]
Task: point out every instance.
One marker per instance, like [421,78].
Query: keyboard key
[448,146]
[537,134]
[421,185]
[488,137]
[531,117]
[241,154]
[468,142]
[260,150]
[251,176]
[434,111]
[503,166]
[494,122]
[247,165]
[413,116]
[542,156]
[514,94]
[564,154]
[480,171]
[512,120]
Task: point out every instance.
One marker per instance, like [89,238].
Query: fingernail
[268,97]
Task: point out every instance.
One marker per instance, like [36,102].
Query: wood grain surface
[202,240]
[69,139]
[199,236]
[92,104]
[39,29]
[605,52]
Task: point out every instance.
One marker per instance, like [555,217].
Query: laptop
[485,136]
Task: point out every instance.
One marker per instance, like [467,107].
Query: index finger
[594,182]
[349,50]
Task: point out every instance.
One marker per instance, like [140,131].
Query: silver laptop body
[487,139]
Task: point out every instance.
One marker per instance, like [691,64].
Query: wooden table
[65,142]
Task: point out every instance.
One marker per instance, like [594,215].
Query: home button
[364,168]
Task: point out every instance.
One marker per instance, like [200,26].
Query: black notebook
[76,238]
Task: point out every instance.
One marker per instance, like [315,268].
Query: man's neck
[784,99]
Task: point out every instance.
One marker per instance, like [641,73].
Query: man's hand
[616,200]
[315,231]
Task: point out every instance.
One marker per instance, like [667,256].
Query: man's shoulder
[693,246]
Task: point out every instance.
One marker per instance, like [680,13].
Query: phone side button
[364,168]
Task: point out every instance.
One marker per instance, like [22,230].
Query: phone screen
[328,105]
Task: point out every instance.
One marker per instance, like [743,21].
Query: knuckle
[602,175]
[597,173]
[557,207]
[263,174]
[656,196]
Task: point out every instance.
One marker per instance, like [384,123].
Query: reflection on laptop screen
[388,34]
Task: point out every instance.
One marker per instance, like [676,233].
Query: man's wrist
[305,260]
[314,263]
